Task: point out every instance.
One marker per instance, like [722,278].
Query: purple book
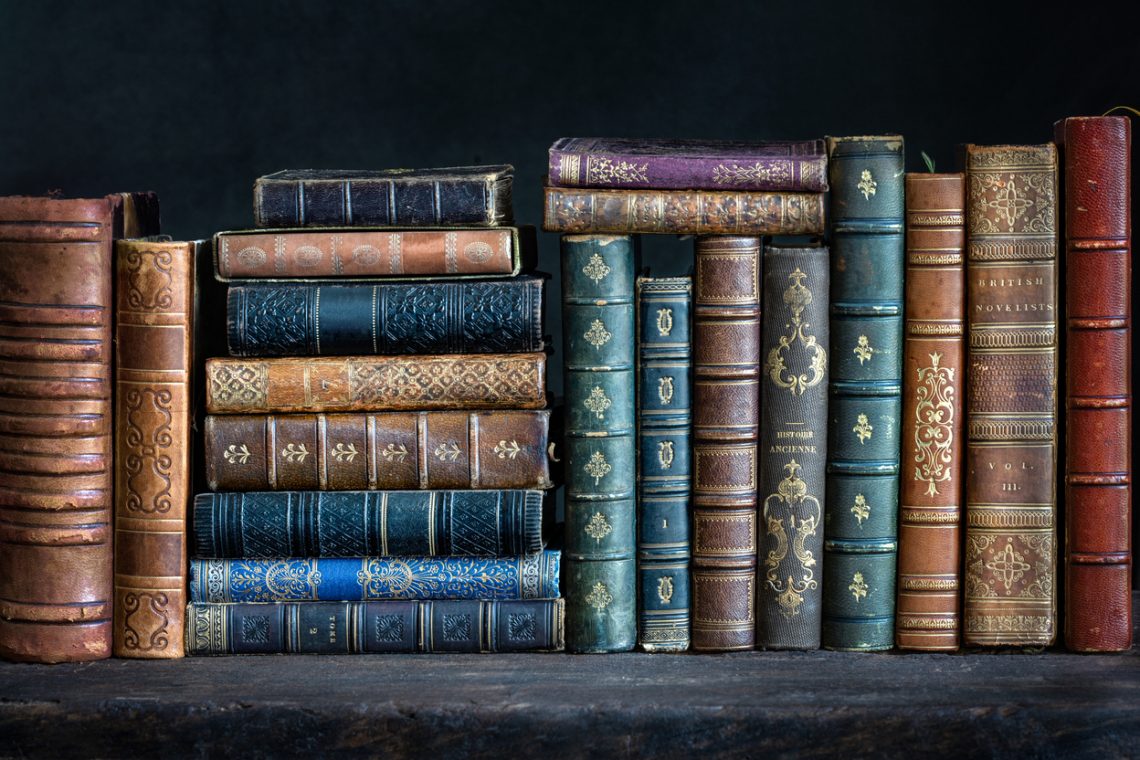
[689,164]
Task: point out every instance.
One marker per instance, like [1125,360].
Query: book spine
[726,419]
[153,417]
[378,202]
[930,512]
[865,407]
[462,317]
[793,443]
[598,340]
[362,579]
[1011,506]
[263,524]
[387,627]
[365,253]
[1098,398]
[664,403]
[682,212]
[394,450]
[571,168]
[56,470]
[371,384]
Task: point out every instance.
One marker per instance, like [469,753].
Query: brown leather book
[1011,447]
[376,383]
[1097,153]
[934,368]
[153,417]
[393,450]
[55,421]
[726,418]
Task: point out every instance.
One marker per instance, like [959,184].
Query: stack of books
[377,440]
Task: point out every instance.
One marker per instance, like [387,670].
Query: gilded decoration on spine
[274,581]
[394,453]
[793,500]
[665,589]
[598,527]
[342,453]
[863,428]
[796,297]
[603,171]
[664,321]
[597,335]
[665,389]
[597,402]
[867,184]
[599,597]
[1020,203]
[1021,568]
[295,452]
[934,434]
[858,587]
[507,450]
[735,174]
[598,467]
[863,350]
[596,268]
[237,453]
[239,386]
[447,452]
[665,454]
[861,510]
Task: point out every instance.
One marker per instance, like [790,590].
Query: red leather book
[1098,401]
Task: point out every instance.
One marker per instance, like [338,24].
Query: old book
[601,464]
[392,450]
[689,164]
[339,253]
[793,447]
[726,418]
[934,370]
[1011,506]
[266,524]
[1097,154]
[386,627]
[56,470]
[314,319]
[153,418]
[664,477]
[865,407]
[682,212]
[459,195]
[363,579]
[375,383]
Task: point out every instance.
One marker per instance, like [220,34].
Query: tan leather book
[1011,447]
[934,369]
[153,418]
[394,450]
[375,383]
[726,399]
[55,421]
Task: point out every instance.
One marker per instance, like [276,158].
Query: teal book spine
[598,341]
[865,405]
[665,416]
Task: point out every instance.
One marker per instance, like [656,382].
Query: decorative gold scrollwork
[796,297]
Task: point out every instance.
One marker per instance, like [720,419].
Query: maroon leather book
[1098,401]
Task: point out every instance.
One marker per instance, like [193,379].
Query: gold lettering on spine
[797,297]
[934,434]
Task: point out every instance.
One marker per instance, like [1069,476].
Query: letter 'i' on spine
[1097,154]
[598,340]
[1010,594]
[726,369]
[793,446]
[867,249]
[930,513]
[664,461]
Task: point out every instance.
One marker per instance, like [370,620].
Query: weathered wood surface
[741,705]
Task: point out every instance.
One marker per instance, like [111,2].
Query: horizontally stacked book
[377,441]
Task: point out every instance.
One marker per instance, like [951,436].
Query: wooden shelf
[748,704]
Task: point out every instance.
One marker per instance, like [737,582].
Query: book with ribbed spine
[383,627]
[598,340]
[664,407]
[865,405]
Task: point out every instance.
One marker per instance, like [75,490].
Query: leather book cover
[726,419]
[793,446]
[458,195]
[386,451]
[319,319]
[345,254]
[376,383]
[664,451]
[598,338]
[267,524]
[865,403]
[385,627]
[1097,155]
[656,164]
[1011,447]
[682,212]
[363,579]
[154,413]
[56,469]
[934,363]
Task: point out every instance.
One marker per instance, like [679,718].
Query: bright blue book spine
[664,403]
[865,406]
[530,576]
